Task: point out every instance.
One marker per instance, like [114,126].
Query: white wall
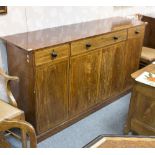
[22,19]
[43,17]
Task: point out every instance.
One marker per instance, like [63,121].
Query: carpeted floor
[108,120]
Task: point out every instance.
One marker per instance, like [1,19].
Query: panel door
[51,95]
[132,58]
[112,71]
[141,110]
[84,75]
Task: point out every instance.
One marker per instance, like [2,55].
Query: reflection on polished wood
[58,35]
[71,71]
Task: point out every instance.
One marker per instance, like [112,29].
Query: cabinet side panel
[132,58]
[21,64]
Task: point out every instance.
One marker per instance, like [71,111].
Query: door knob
[88,45]
[115,38]
[137,32]
[54,54]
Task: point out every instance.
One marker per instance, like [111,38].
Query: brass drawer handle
[137,32]
[88,46]
[54,54]
[115,38]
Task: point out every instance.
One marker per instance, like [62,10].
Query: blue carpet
[108,120]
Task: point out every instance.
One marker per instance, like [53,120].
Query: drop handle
[54,54]
[115,38]
[88,46]
[137,32]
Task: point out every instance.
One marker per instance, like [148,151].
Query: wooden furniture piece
[142,106]
[148,52]
[70,71]
[3,9]
[149,39]
[3,142]
[12,117]
[147,56]
[118,141]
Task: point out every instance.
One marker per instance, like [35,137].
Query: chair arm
[23,126]
[8,78]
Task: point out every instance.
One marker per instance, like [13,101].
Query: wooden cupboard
[112,74]
[72,71]
[132,57]
[84,75]
[52,102]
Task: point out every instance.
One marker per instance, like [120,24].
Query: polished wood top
[125,142]
[149,68]
[34,40]
[122,141]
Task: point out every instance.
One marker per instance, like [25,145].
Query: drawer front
[86,45]
[50,54]
[136,31]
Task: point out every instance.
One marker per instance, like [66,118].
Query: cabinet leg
[126,130]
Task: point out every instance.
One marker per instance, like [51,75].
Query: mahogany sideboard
[68,72]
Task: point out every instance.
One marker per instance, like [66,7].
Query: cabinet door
[142,110]
[112,71]
[84,74]
[132,58]
[51,95]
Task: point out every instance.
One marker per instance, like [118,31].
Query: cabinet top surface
[34,40]
[149,68]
